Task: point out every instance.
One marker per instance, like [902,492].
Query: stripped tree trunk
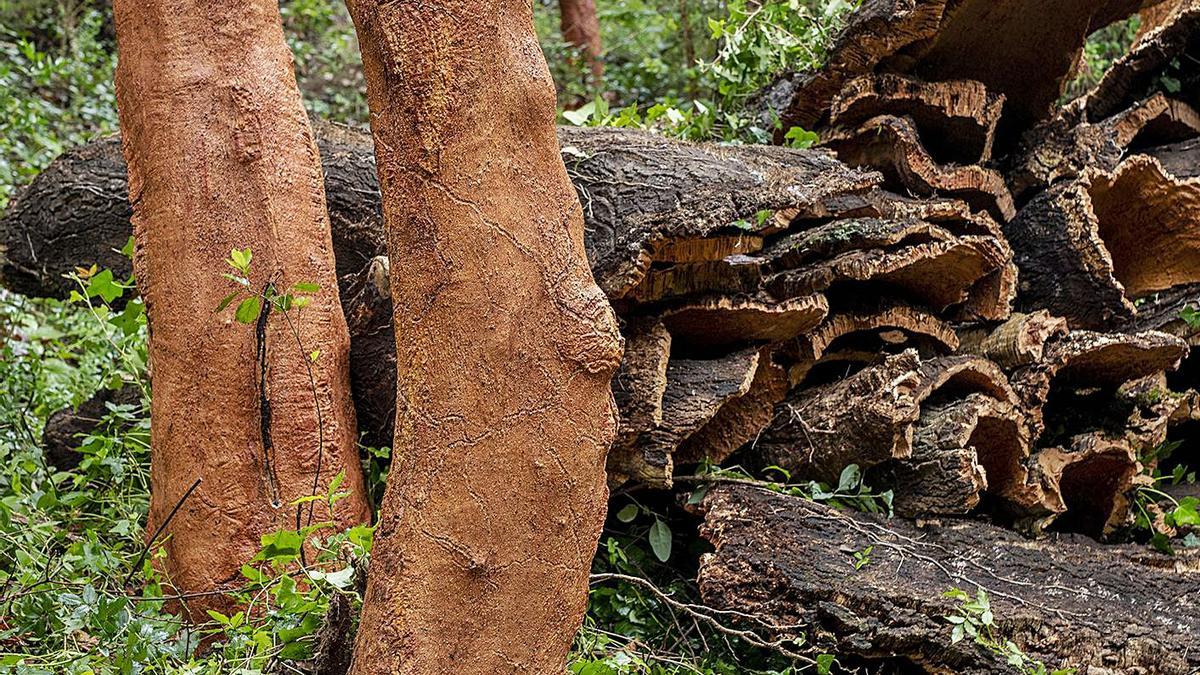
[221,156]
[505,347]
[581,29]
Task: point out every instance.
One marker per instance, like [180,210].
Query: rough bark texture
[1023,50]
[220,155]
[1019,341]
[1067,147]
[890,144]
[963,448]
[505,348]
[645,199]
[788,562]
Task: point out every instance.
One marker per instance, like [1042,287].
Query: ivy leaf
[1186,513]
[248,310]
[103,285]
[660,539]
[824,664]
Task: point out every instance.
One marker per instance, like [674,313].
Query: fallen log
[786,561]
[646,199]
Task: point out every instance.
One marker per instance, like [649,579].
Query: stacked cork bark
[970,291]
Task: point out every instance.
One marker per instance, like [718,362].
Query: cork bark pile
[979,294]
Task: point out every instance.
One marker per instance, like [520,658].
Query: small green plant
[1191,317]
[1158,513]
[851,491]
[974,619]
[863,558]
[659,534]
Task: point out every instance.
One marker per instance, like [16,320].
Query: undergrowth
[79,591]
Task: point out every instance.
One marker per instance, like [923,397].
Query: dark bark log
[695,393]
[639,387]
[1068,602]
[1064,265]
[646,199]
[66,428]
[740,420]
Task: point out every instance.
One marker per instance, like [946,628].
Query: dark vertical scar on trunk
[264,399]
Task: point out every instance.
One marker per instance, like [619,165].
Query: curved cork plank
[740,420]
[1067,147]
[720,322]
[1090,360]
[892,146]
[1017,342]
[1150,222]
[1139,73]
[956,120]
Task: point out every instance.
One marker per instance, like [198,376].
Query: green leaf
[580,116]
[628,514]
[824,664]
[1186,513]
[127,249]
[660,539]
[226,301]
[103,285]
[797,137]
[850,479]
[304,287]
[248,310]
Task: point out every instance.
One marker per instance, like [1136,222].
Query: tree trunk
[221,156]
[505,347]
[581,29]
